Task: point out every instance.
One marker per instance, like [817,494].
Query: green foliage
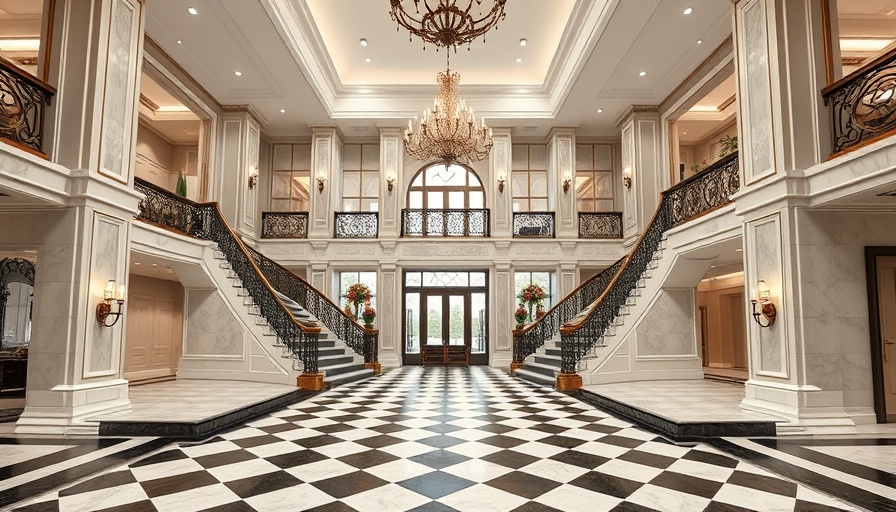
[727,145]
[181,185]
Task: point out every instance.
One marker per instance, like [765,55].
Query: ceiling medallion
[447,24]
[449,132]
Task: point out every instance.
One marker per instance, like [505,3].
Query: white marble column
[238,143]
[502,348]
[561,171]
[74,367]
[389,304]
[641,160]
[797,369]
[392,169]
[502,202]
[326,176]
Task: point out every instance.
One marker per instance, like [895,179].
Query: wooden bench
[446,355]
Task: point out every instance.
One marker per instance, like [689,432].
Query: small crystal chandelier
[449,132]
[447,24]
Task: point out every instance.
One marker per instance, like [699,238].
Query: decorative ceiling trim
[248,109]
[295,25]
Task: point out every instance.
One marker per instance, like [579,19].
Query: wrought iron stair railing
[694,197]
[448,222]
[529,339]
[361,340]
[205,221]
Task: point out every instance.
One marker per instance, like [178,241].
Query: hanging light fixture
[449,132]
[445,23]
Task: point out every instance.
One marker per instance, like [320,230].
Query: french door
[445,309]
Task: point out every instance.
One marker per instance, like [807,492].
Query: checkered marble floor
[437,439]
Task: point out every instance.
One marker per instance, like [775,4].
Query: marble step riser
[537,378]
[547,372]
[548,361]
[348,379]
[334,361]
[330,372]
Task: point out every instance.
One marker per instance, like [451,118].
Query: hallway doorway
[445,319]
[881,270]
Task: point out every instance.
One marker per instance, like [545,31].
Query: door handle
[887,343]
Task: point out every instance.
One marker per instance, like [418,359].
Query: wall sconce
[567,181]
[501,180]
[112,294]
[320,183]
[390,183]
[253,178]
[627,178]
[766,306]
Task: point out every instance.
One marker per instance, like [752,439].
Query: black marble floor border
[691,431]
[197,430]
[825,484]
[47,483]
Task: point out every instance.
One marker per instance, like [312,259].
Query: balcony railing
[533,225]
[600,225]
[284,224]
[863,104]
[702,193]
[22,102]
[450,222]
[356,225]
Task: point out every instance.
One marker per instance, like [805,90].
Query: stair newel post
[311,379]
[517,362]
[371,356]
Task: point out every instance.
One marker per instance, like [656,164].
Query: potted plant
[727,145]
[368,314]
[357,294]
[532,297]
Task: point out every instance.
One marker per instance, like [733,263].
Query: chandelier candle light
[445,23]
[449,132]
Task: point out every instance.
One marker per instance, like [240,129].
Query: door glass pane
[280,188]
[434,200]
[351,184]
[351,205]
[412,323]
[412,279]
[478,323]
[434,320]
[519,184]
[370,184]
[477,278]
[456,200]
[477,199]
[456,320]
[415,200]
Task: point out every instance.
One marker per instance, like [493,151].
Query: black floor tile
[687,484]
[347,485]
[607,484]
[368,459]
[439,459]
[763,483]
[224,458]
[523,484]
[510,459]
[177,483]
[261,484]
[436,484]
[293,459]
[581,459]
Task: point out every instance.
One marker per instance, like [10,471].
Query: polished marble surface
[437,439]
[188,400]
[684,401]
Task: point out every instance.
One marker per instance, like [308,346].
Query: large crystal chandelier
[449,132]
[445,23]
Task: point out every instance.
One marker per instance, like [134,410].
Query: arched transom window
[437,187]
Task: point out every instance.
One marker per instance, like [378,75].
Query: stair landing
[195,409]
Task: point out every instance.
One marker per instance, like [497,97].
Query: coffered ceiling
[304,57]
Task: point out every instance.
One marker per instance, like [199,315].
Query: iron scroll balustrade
[284,224]
[533,225]
[22,102]
[205,220]
[698,195]
[863,104]
[356,225]
[361,340]
[529,339]
[446,222]
[600,224]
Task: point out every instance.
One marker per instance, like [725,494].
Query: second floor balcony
[451,222]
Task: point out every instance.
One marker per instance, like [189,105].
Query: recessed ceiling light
[518,60]
[363,91]
[738,250]
[155,265]
[367,60]
[688,11]
[180,42]
[282,110]
[238,73]
[600,111]
[137,263]
[363,42]
[523,42]
[642,73]
[192,10]
[699,41]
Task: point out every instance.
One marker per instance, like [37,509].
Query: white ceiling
[302,56]
[168,116]
[396,59]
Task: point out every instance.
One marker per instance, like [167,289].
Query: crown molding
[245,108]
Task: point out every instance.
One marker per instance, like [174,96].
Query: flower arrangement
[357,294]
[368,314]
[520,315]
[531,298]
